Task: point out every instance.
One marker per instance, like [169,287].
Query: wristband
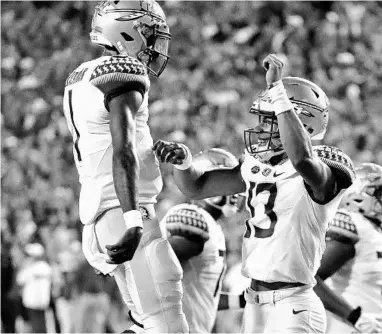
[187,162]
[280,98]
[133,218]
[354,315]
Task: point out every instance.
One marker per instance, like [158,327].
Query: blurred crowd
[201,99]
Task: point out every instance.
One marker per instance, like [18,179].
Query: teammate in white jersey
[352,263]
[198,241]
[293,191]
[106,107]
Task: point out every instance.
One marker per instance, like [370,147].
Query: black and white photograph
[191,166]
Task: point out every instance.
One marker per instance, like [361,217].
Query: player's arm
[122,110]
[335,303]
[341,238]
[295,138]
[194,182]
[229,301]
[123,81]
[364,322]
[125,161]
[340,248]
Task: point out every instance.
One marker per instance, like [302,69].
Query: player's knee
[166,268]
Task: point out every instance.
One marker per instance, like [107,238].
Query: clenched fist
[171,152]
[274,67]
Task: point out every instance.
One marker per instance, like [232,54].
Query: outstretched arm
[194,182]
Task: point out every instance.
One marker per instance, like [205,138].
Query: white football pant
[294,310]
[150,283]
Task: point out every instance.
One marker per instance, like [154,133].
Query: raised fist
[274,67]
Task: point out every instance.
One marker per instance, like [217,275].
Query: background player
[106,107]
[352,262]
[294,189]
[198,241]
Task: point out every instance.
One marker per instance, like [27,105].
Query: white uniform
[284,242]
[89,122]
[359,280]
[202,274]
[151,282]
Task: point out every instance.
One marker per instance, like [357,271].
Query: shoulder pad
[337,160]
[119,69]
[187,222]
[342,227]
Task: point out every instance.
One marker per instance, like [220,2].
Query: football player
[352,262]
[293,191]
[106,107]
[198,241]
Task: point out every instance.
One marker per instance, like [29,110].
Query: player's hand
[125,248]
[171,152]
[274,67]
[369,323]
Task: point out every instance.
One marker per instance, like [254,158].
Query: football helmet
[311,105]
[365,194]
[134,28]
[217,158]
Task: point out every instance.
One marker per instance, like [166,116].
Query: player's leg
[161,290]
[153,277]
[300,312]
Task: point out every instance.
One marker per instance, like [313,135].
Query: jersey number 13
[268,209]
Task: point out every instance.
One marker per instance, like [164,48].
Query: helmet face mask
[311,105]
[264,139]
[365,195]
[134,28]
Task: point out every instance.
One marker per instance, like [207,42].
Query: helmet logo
[131,15]
[266,171]
[255,169]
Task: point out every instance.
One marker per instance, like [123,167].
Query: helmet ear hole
[127,37]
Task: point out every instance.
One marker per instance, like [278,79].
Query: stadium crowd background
[201,99]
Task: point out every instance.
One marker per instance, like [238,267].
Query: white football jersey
[285,236]
[202,274]
[359,280]
[89,122]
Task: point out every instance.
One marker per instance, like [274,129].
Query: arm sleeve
[339,162]
[117,75]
